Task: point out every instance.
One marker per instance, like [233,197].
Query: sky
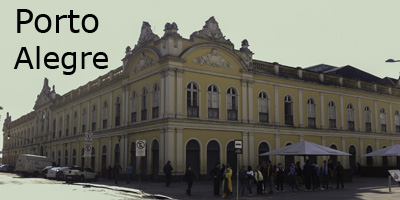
[360,33]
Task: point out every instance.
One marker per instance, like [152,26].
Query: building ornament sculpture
[213,59]
[144,62]
[211,31]
[146,34]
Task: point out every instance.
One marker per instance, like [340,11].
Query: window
[67,126]
[84,121]
[118,112]
[213,101]
[60,127]
[144,104]
[42,121]
[156,101]
[192,100]
[54,128]
[105,113]
[75,123]
[350,117]
[383,119]
[133,106]
[232,104]
[94,118]
[397,121]
[263,107]
[367,118]
[288,110]
[311,113]
[332,114]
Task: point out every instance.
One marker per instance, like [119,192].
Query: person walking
[109,173]
[292,177]
[129,171]
[189,178]
[249,178]
[339,175]
[242,180]
[259,180]
[325,175]
[117,168]
[269,178]
[168,173]
[280,175]
[307,173]
[227,183]
[216,175]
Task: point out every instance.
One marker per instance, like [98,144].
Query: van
[28,164]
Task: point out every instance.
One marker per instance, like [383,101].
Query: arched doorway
[73,157]
[104,156]
[92,159]
[155,158]
[333,157]
[66,158]
[144,166]
[213,155]
[370,160]
[41,151]
[288,159]
[83,158]
[117,153]
[352,158]
[59,158]
[193,156]
[262,148]
[231,157]
[132,159]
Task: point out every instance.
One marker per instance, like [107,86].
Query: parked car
[28,164]
[45,170]
[60,173]
[7,168]
[80,174]
[51,173]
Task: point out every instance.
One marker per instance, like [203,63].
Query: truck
[28,164]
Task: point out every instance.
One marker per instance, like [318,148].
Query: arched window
[155,155]
[232,104]
[52,155]
[156,101]
[384,159]
[84,121]
[118,112]
[263,114]
[59,158]
[66,158]
[94,118]
[117,153]
[67,126]
[288,103]
[213,102]
[105,114]
[332,114]
[144,104]
[350,117]
[397,121]
[104,156]
[370,160]
[73,157]
[311,113]
[60,123]
[134,102]
[231,157]
[192,100]
[368,116]
[54,129]
[333,157]
[383,119]
[262,148]
[75,123]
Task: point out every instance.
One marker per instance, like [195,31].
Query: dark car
[60,173]
[45,170]
[7,168]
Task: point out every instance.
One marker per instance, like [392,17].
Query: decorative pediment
[211,31]
[144,62]
[213,59]
[45,95]
[146,34]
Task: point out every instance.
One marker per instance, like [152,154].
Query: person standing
[216,175]
[227,183]
[189,178]
[259,180]
[269,178]
[325,175]
[250,178]
[280,175]
[339,175]
[242,180]
[129,171]
[292,176]
[168,173]
[307,173]
[299,173]
[264,173]
[331,169]
[117,168]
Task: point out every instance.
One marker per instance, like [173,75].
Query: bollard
[390,183]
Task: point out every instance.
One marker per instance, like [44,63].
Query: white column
[251,148]
[179,95]
[301,122]
[162,94]
[277,146]
[111,109]
[250,103]
[344,149]
[322,111]
[377,120]
[341,113]
[162,150]
[276,89]
[390,118]
[170,93]
[362,151]
[244,101]
[246,147]
[179,151]
[360,115]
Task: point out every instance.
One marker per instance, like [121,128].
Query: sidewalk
[361,188]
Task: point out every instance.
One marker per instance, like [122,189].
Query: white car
[80,174]
[51,173]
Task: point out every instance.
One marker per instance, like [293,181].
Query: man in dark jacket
[168,173]
[189,178]
[216,175]
[307,172]
[117,168]
[339,175]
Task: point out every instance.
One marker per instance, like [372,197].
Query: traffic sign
[88,150]
[238,146]
[140,148]
[88,137]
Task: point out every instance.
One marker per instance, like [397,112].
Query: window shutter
[214,100]
[229,102]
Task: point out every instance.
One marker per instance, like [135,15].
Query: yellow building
[191,98]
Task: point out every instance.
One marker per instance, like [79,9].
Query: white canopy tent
[305,148]
[388,151]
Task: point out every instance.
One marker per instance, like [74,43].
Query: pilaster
[244,101]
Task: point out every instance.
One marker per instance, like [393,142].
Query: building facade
[191,98]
